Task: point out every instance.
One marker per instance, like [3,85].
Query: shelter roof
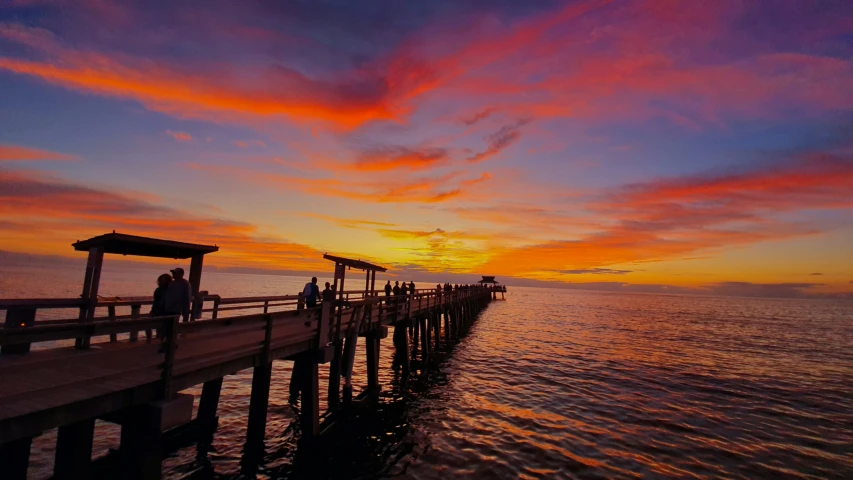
[123,244]
[487,279]
[357,264]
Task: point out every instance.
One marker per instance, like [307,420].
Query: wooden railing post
[111,312]
[134,313]
[300,304]
[215,312]
[19,318]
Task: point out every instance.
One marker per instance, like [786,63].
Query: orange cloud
[671,218]
[179,136]
[44,215]
[250,143]
[437,189]
[383,159]
[16,152]
[347,102]
[347,222]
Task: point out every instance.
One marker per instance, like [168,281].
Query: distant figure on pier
[412,287]
[311,292]
[438,288]
[447,287]
[178,295]
[329,293]
[404,290]
[397,287]
[388,289]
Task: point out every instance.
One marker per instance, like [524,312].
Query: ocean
[550,384]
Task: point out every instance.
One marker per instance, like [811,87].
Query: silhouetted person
[329,293]
[412,287]
[388,289]
[404,290]
[311,292]
[447,287]
[396,288]
[158,306]
[178,295]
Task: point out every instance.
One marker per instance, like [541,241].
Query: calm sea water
[554,384]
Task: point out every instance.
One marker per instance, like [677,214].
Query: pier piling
[74,450]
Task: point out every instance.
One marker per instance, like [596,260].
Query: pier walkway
[65,374]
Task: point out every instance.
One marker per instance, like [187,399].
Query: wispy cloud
[179,136]
[250,143]
[9,153]
[594,271]
[500,140]
[386,158]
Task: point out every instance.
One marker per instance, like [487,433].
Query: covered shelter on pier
[496,286]
[344,356]
[342,264]
[124,244]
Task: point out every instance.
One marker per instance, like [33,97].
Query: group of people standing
[172,296]
[312,295]
[398,289]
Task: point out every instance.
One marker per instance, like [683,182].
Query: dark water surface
[563,384]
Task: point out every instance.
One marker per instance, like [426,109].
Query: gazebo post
[195,284]
[91,281]
[335,364]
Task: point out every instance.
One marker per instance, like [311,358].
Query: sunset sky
[706,145]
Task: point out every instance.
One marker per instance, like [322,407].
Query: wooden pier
[65,374]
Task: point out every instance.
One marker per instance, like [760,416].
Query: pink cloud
[179,136]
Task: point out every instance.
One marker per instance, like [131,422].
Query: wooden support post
[436,322]
[309,415]
[91,282]
[258,404]
[372,352]
[207,407]
[74,450]
[15,458]
[19,318]
[401,347]
[348,360]
[141,448]
[416,328]
[425,340]
[335,374]
[446,329]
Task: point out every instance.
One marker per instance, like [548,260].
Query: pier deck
[47,382]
